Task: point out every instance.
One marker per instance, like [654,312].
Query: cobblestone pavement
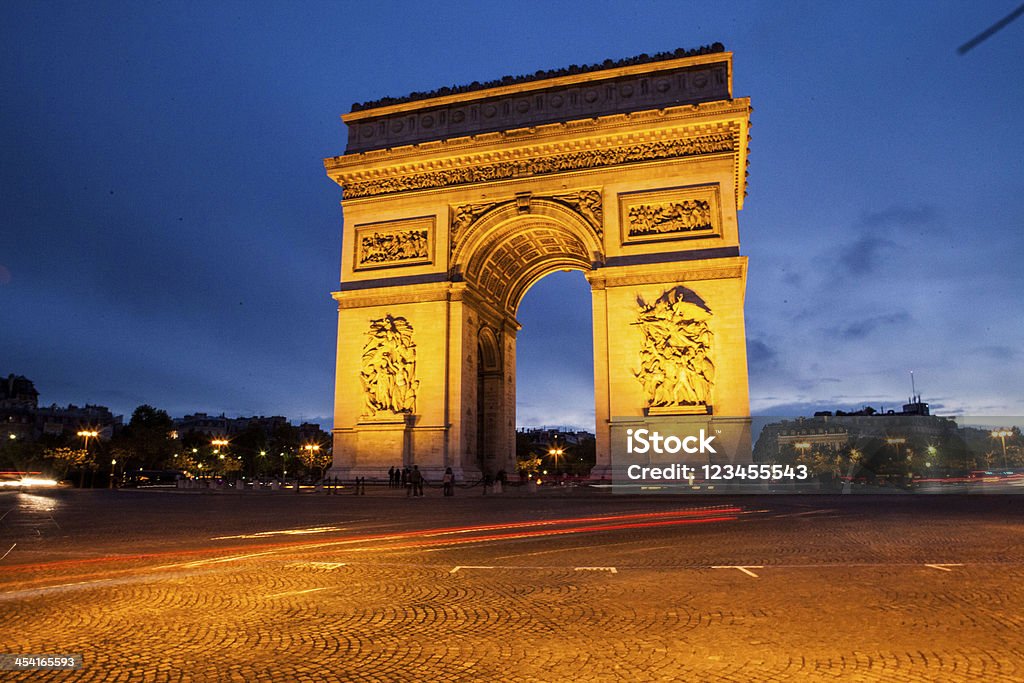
[170,586]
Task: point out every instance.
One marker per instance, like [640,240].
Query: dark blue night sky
[169,235]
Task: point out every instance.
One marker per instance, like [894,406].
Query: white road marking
[219,560]
[944,567]
[468,566]
[613,570]
[8,551]
[317,565]
[308,590]
[743,568]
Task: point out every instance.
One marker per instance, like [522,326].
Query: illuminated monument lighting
[457,202]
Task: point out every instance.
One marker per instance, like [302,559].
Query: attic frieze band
[682,85]
[716,143]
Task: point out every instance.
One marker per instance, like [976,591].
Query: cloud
[868,252]
[865,255]
[899,216]
[862,328]
[1001,353]
[761,358]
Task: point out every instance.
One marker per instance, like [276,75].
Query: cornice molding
[534,161]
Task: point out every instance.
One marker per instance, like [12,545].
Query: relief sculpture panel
[389,367]
[676,370]
[681,213]
[394,243]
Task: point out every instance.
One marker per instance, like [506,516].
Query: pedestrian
[391,477]
[448,482]
[405,477]
[416,479]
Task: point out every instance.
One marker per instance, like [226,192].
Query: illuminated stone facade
[456,204]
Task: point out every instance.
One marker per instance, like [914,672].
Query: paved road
[166,586]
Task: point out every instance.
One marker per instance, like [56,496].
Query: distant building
[221,425]
[828,432]
[55,420]
[311,433]
[18,401]
[17,391]
[202,423]
[22,418]
[547,436]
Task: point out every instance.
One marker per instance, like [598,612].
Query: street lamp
[311,449]
[86,434]
[113,462]
[218,445]
[555,452]
[1001,434]
[896,442]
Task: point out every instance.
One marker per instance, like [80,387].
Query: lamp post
[218,446]
[311,450]
[113,463]
[896,442]
[1001,434]
[555,454]
[86,434]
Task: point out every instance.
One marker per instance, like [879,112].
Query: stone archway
[456,203]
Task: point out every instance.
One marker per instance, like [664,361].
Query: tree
[147,440]
[316,458]
[62,459]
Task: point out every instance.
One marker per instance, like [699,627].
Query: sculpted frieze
[464,216]
[676,213]
[394,243]
[586,203]
[556,163]
[393,247]
[676,370]
[389,367]
[657,219]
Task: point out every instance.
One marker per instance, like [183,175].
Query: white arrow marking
[743,568]
[468,566]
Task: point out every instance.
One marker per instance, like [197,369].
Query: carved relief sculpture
[654,219]
[393,247]
[675,355]
[675,213]
[586,203]
[714,143]
[405,242]
[389,367]
[464,216]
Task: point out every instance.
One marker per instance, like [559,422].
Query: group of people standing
[411,479]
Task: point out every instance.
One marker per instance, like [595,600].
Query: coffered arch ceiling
[507,252]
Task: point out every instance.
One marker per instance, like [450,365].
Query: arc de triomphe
[457,201]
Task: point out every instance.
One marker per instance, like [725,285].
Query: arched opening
[555,374]
[489,386]
[499,258]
